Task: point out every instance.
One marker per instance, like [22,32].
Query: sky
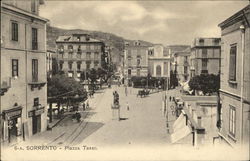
[165,22]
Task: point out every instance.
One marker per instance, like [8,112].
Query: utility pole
[166,107]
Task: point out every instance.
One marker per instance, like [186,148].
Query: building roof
[72,38]
[238,16]
[137,43]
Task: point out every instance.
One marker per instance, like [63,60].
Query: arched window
[158,70]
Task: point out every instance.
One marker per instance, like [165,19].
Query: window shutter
[232,64]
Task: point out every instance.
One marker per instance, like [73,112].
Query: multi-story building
[50,61]
[234,110]
[159,62]
[199,114]
[182,64]
[205,56]
[135,60]
[23,89]
[78,53]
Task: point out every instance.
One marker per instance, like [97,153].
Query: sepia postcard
[124,80]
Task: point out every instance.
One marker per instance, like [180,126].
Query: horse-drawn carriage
[143,92]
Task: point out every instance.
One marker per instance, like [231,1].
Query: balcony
[204,71]
[36,84]
[5,85]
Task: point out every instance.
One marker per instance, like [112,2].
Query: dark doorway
[36,124]
[12,130]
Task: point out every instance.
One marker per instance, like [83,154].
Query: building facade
[135,60]
[234,109]
[182,64]
[205,56]
[50,61]
[78,53]
[23,89]
[159,62]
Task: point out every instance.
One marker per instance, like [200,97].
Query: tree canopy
[61,86]
[207,83]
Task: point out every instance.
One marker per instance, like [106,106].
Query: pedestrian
[87,104]
[78,116]
[170,98]
[83,107]
[127,106]
[126,90]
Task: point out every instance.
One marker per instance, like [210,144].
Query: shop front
[12,124]
[36,119]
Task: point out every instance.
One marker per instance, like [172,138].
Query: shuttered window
[14,30]
[34,70]
[232,120]
[14,68]
[232,63]
[34,39]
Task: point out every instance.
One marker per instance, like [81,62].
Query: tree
[101,73]
[62,89]
[92,75]
[207,83]
[173,79]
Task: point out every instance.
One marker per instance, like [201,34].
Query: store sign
[36,112]
[39,111]
[13,114]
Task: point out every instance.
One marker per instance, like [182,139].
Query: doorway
[36,124]
[12,130]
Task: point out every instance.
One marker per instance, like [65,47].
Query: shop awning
[179,123]
[180,128]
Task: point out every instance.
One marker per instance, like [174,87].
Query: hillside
[115,42]
[108,38]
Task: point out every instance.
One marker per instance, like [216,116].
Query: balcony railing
[35,83]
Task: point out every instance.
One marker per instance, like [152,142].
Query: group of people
[77,114]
